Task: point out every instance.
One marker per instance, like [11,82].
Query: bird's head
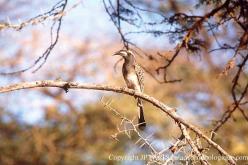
[126,54]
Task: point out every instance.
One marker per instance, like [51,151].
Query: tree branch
[57,13]
[74,85]
[199,155]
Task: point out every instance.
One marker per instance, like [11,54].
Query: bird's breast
[132,81]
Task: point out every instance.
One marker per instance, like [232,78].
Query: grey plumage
[133,75]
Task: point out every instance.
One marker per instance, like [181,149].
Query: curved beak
[118,54]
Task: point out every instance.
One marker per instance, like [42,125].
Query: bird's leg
[139,104]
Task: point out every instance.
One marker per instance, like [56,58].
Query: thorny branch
[56,13]
[127,127]
[237,101]
[190,31]
[166,109]
[193,145]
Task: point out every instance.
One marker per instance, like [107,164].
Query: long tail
[141,118]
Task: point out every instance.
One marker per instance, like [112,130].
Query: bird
[133,75]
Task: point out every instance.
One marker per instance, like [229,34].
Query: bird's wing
[140,74]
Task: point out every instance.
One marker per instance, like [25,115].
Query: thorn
[115,137]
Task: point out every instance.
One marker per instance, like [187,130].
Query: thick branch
[74,85]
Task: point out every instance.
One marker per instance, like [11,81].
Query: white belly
[132,81]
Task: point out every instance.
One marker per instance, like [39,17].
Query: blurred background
[49,126]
